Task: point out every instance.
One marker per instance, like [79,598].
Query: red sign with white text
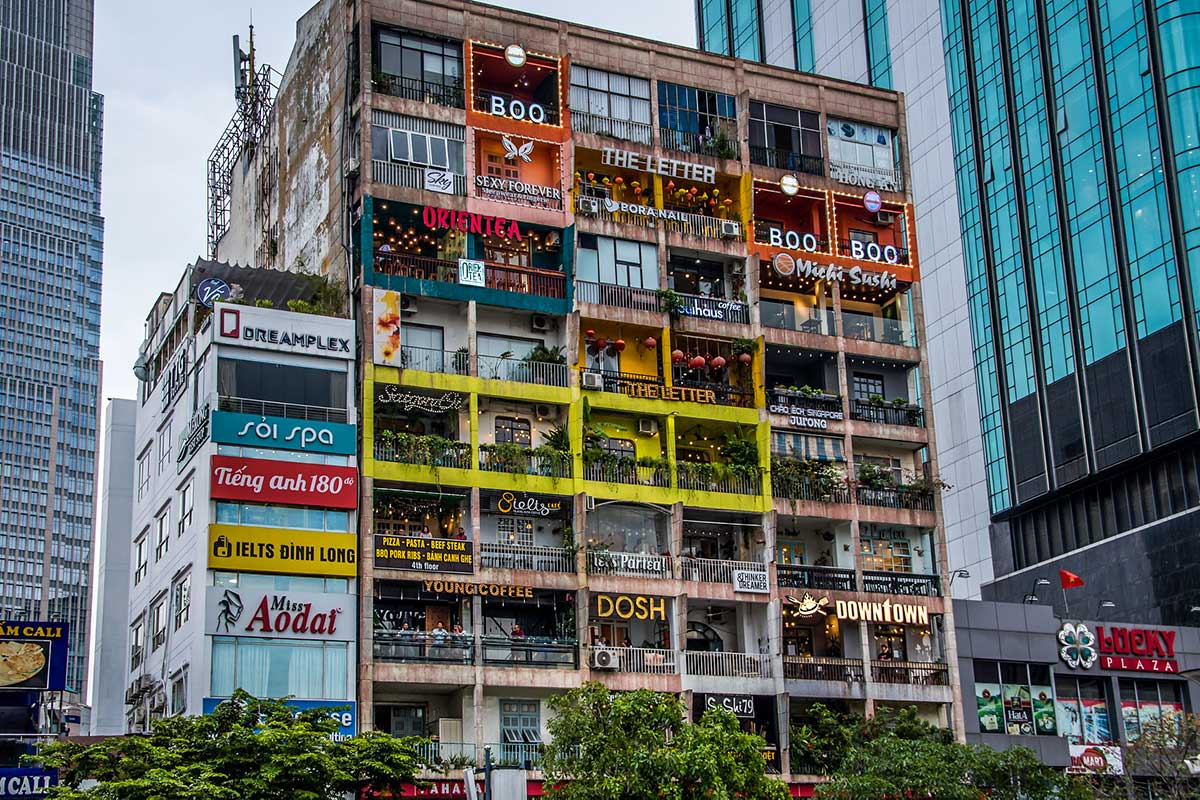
[260,480]
[1136,649]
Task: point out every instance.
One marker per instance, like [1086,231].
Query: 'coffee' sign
[260,480]
[279,615]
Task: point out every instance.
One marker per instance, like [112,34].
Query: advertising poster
[1070,720]
[33,655]
[386,340]
[344,712]
[1043,711]
[424,555]
[1094,759]
[1018,710]
[988,704]
[1096,726]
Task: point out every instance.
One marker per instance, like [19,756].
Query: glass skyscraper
[51,243]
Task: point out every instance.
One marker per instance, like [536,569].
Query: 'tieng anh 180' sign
[260,480]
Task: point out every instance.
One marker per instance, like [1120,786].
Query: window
[890,643]
[185,507]
[162,532]
[1146,704]
[782,137]
[282,383]
[610,104]
[1083,710]
[496,167]
[865,237]
[181,599]
[515,530]
[1015,698]
[292,455]
[864,385]
[143,471]
[886,464]
[281,583]
[623,448]
[807,447]
[137,643]
[520,722]
[303,519]
[279,667]
[885,553]
[617,262]
[140,557]
[513,430]
[164,446]
[697,120]
[179,692]
[879,52]
[418,149]
[494,346]
[419,60]
[158,622]
[861,145]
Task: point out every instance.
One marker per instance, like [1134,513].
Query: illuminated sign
[33,655]
[527,505]
[260,480]
[808,605]
[509,190]
[787,266]
[624,606]
[242,548]
[1117,648]
[515,109]
[390,394]
[481,589]
[280,433]
[802,416]
[809,243]
[193,437]
[285,331]
[686,170]
[424,555]
[887,612]
[654,391]
[26,783]
[279,615]
[872,201]
[515,55]
[740,705]
[445,219]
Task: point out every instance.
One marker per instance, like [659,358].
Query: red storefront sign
[1136,649]
[444,787]
[446,219]
[260,480]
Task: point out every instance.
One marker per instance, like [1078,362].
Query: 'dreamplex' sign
[284,331]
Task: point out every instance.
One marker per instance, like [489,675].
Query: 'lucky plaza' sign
[261,480]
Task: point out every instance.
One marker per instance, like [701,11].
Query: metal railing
[690,142]
[393,645]
[787,159]
[647,660]
[607,294]
[417,89]
[823,668]
[725,394]
[627,472]
[519,370]
[537,558]
[623,129]
[915,673]
[525,462]
[851,174]
[427,359]
[630,565]
[532,651]
[407,176]
[810,489]
[704,226]
[867,327]
[716,308]
[620,381]
[883,582]
[515,754]
[819,321]
[846,249]
[585,207]
[832,579]
[887,414]
[426,451]
[708,478]
[482,102]
[763,228]
[270,408]
[439,753]
[521,280]
[894,497]
[727,665]
[821,406]
[711,570]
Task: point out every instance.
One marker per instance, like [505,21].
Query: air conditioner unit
[884,217]
[593,380]
[730,229]
[130,696]
[543,411]
[648,426]
[351,168]
[158,700]
[408,305]
[145,683]
[604,658]
[589,205]
[540,323]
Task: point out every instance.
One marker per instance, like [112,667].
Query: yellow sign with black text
[244,548]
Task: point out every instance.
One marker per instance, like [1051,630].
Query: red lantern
[650,343]
[728,201]
[638,191]
[618,179]
[677,356]
[718,362]
[601,342]
[591,176]
[620,345]
[589,333]
[745,358]
[697,362]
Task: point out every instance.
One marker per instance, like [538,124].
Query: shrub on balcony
[873,477]
[411,448]
[546,355]
[461,361]
[924,486]
[507,457]
[821,477]
[671,302]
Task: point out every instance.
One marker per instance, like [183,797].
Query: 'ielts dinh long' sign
[259,480]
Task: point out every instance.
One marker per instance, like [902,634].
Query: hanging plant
[671,302]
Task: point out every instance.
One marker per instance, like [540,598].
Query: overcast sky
[166,72]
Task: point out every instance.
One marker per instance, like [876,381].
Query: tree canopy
[638,746]
[246,749]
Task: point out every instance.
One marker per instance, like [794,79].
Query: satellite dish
[139,368]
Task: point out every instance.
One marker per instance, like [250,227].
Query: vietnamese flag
[1069,579]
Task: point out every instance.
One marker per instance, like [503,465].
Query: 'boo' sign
[516,109]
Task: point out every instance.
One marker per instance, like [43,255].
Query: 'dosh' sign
[261,480]
[26,783]
[279,615]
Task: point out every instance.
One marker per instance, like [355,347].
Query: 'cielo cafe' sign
[1117,648]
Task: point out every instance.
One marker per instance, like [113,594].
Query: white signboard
[385,339]
[628,159]
[283,331]
[746,580]
[232,611]
[439,180]
[471,272]
[1095,759]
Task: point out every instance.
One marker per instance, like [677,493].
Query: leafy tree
[637,746]
[820,744]
[1159,758]
[247,749]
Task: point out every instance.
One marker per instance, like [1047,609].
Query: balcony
[644,660]
[689,142]
[504,278]
[595,201]
[533,651]
[866,327]
[407,176]
[894,497]
[787,159]
[888,180]
[719,478]
[517,754]
[517,460]
[623,129]
[784,317]
[912,673]
[813,481]
[439,755]
[426,451]
[703,226]
[714,308]
[914,585]
[823,668]
[828,579]
[482,102]
[543,373]
[846,249]
[709,570]
[415,89]
[724,394]
[425,359]
[607,294]
[420,646]
[270,408]
[887,413]
[727,665]
[536,558]
[628,471]
[629,383]
[629,565]
[820,406]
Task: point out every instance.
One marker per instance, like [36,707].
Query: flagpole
[1066,605]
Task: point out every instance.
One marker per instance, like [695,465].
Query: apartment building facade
[644,399]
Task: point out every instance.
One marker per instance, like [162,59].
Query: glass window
[623,448]
[1150,704]
[143,472]
[158,622]
[185,507]
[1083,715]
[181,599]
[419,154]
[164,447]
[520,722]
[610,104]
[281,383]
[179,692]
[281,583]
[137,643]
[418,59]
[886,553]
[162,533]
[865,385]
[307,519]
[515,530]
[513,430]
[697,120]
[780,135]
[279,667]
[399,141]
[140,557]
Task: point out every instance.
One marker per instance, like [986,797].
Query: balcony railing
[787,159]
[882,582]
[483,103]
[887,414]
[915,673]
[439,754]
[877,329]
[819,321]
[416,89]
[646,660]
[426,359]
[728,665]
[889,180]
[591,202]
[628,472]
[626,382]
[518,461]
[521,280]
[514,754]
[607,294]
[822,406]
[762,235]
[894,497]
[810,489]
[270,408]
[846,249]
[536,558]
[623,129]
[426,451]
[704,226]
[725,394]
[421,646]
[533,651]
[711,570]
[830,579]
[715,308]
[519,370]
[689,142]
[717,478]
[630,565]
[823,668]
[407,176]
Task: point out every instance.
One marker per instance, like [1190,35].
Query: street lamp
[959,573]
[1032,596]
[1103,605]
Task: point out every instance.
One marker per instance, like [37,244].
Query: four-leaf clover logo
[1077,645]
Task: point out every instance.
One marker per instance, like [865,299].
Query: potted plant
[671,302]
[461,361]
[873,477]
